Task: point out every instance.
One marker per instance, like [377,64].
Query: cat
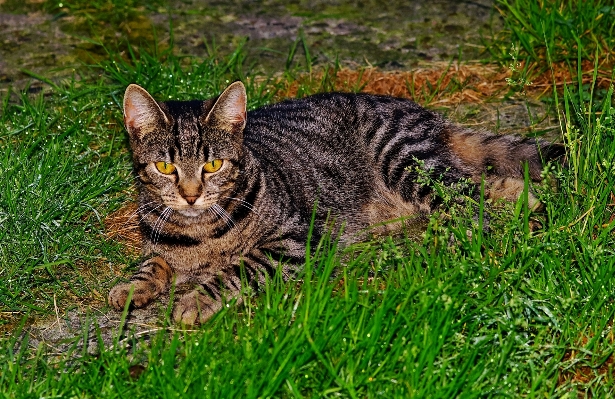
[227,194]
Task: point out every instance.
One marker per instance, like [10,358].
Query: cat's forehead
[184,108]
[187,138]
[185,135]
[185,115]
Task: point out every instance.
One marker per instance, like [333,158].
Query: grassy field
[513,312]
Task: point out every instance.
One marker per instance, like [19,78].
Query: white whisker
[152,210]
[211,211]
[160,224]
[223,214]
[245,204]
[218,211]
[138,210]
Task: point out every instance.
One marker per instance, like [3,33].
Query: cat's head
[187,154]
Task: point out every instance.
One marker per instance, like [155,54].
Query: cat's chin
[191,213]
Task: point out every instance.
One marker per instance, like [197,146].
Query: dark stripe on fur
[146,272]
[250,272]
[199,142]
[212,292]
[176,138]
[392,130]
[281,255]
[240,210]
[263,263]
[167,239]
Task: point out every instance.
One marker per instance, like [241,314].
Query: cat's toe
[185,316]
[194,308]
[119,295]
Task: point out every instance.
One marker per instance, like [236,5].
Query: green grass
[508,312]
[556,30]
[56,175]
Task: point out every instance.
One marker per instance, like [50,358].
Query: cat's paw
[195,308]
[119,295]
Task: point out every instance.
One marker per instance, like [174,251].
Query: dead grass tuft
[443,84]
[123,225]
[579,368]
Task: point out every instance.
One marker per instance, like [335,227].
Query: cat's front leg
[254,269]
[153,278]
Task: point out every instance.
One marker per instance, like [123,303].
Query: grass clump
[57,175]
[555,30]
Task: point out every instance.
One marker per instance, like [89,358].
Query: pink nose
[191,199]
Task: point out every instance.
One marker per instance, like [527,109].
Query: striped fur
[355,155]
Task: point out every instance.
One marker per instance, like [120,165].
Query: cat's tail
[501,155]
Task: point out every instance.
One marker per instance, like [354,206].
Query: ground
[524,301]
[392,36]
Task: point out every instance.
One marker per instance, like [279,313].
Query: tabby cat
[226,194]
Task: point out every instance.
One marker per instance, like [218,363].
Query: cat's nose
[191,199]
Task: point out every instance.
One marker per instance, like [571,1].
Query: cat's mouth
[191,210]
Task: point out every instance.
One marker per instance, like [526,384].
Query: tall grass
[560,28]
[504,313]
[57,174]
[461,312]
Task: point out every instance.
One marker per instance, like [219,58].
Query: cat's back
[309,148]
[333,119]
[320,122]
[340,147]
[356,128]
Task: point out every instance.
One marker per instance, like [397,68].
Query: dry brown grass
[123,225]
[580,369]
[443,84]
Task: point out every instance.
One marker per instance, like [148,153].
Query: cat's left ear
[229,111]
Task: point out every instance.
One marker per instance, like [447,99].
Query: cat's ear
[229,111]
[142,114]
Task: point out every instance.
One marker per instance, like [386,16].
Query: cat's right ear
[142,114]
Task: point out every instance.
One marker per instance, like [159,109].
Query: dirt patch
[580,368]
[394,34]
[98,327]
[31,42]
[390,35]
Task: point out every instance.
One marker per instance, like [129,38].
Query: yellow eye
[166,168]
[213,166]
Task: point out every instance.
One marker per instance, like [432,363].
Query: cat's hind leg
[153,278]
[511,189]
